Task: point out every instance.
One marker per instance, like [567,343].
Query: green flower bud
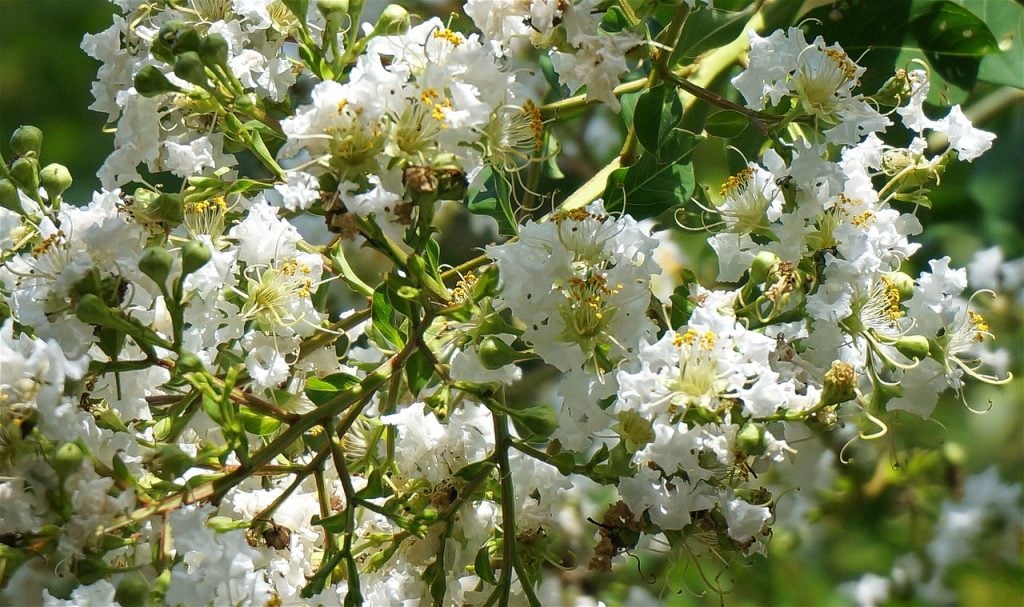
[156,263]
[913,346]
[189,362]
[839,384]
[163,45]
[150,82]
[750,439]
[904,284]
[763,265]
[334,11]
[213,50]
[25,172]
[187,41]
[67,459]
[194,255]
[189,67]
[394,21]
[9,198]
[55,179]
[27,141]
[133,591]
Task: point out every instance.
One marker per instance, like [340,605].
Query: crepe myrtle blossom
[820,79]
[580,285]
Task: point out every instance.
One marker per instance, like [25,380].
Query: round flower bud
[187,41]
[150,82]
[213,50]
[189,67]
[9,198]
[750,439]
[55,179]
[763,264]
[133,591]
[189,362]
[904,284]
[394,21]
[334,11]
[25,172]
[156,263]
[27,141]
[194,255]
[67,459]
[163,45]
[913,346]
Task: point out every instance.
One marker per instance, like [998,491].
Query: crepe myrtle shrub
[203,403]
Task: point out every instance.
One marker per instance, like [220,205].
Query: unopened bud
[25,172]
[150,82]
[189,67]
[55,179]
[194,255]
[133,591]
[764,263]
[904,284]
[9,198]
[913,346]
[213,50]
[27,141]
[750,439]
[394,21]
[67,459]
[156,263]
[334,11]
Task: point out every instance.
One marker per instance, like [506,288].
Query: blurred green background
[45,80]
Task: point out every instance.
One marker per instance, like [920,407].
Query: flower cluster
[201,404]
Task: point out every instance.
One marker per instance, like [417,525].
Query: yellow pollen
[980,325]
[892,296]
[448,35]
[536,123]
[737,181]
[862,219]
[843,62]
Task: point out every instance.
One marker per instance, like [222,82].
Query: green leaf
[534,422]
[954,40]
[1005,20]
[614,20]
[707,29]
[258,424]
[374,487]
[726,124]
[658,111]
[418,371]
[482,565]
[321,389]
[649,187]
[470,471]
[381,318]
[491,199]
[332,524]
